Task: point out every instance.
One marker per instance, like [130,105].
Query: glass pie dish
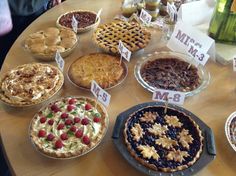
[230,130]
[171,76]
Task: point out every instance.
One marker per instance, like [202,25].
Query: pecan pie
[44,43]
[30,84]
[133,36]
[170,74]
[105,69]
[68,127]
[163,142]
[86,20]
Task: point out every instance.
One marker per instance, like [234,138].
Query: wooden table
[213,106]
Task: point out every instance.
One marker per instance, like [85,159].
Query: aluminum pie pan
[208,154]
[84,153]
[40,102]
[79,30]
[111,87]
[202,72]
[227,129]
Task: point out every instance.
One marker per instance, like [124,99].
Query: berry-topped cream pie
[30,84]
[68,127]
[163,142]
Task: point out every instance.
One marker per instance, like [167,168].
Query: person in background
[23,12]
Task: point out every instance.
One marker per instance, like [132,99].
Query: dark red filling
[84,19]
[149,138]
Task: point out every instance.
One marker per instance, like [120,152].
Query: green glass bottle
[223,23]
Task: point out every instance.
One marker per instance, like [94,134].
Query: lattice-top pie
[105,69]
[133,36]
[30,84]
[68,127]
[44,43]
[165,142]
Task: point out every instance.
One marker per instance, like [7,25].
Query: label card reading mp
[173,97]
[60,61]
[100,94]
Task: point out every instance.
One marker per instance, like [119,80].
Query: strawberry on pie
[68,127]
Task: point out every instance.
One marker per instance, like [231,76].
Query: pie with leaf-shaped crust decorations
[163,142]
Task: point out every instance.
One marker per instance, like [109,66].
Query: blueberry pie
[163,142]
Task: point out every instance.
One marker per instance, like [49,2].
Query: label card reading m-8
[100,94]
[199,56]
[173,97]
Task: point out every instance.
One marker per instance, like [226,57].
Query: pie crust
[86,20]
[163,142]
[30,84]
[68,127]
[132,34]
[44,43]
[105,69]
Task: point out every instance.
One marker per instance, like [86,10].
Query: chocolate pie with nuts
[171,74]
[86,20]
[163,142]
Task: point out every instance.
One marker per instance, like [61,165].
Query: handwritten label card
[100,94]
[145,17]
[60,61]
[199,56]
[74,24]
[124,52]
[98,14]
[185,35]
[234,63]
[173,97]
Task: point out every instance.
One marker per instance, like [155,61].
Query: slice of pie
[163,142]
[105,69]
[30,84]
[133,36]
[68,127]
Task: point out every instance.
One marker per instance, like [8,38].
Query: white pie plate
[104,133]
[202,72]
[227,129]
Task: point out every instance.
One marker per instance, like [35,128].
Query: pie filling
[67,127]
[171,74]
[166,142]
[30,83]
[84,19]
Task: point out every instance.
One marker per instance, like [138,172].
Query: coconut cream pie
[30,84]
[68,127]
[164,142]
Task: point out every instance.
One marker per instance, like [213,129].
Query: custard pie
[105,69]
[30,84]
[68,127]
[166,142]
[133,36]
[44,44]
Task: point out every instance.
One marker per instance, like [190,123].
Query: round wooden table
[213,106]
